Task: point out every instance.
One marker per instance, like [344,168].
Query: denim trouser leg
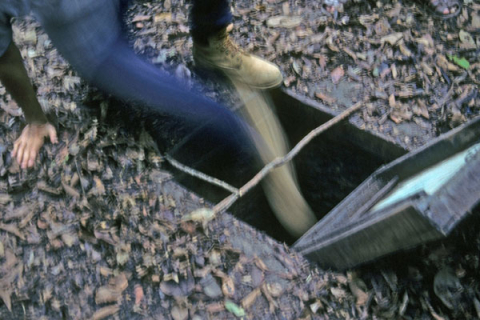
[93,44]
[207,17]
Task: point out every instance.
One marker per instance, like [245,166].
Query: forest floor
[100,229]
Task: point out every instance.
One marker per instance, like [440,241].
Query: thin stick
[228,201]
[201,175]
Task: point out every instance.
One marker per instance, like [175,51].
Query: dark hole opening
[327,172]
[328,168]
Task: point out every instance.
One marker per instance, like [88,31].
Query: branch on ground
[277,162]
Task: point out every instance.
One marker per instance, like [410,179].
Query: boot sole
[206,71]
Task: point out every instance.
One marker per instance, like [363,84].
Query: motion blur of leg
[89,35]
[280,185]
[214,49]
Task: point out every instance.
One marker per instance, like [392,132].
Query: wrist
[35,115]
[37,122]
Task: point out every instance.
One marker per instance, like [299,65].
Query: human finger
[53,135]
[15,148]
[34,151]
[20,152]
[31,160]
[26,156]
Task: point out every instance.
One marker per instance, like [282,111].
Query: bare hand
[26,148]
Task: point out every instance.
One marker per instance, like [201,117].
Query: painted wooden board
[431,179]
[417,198]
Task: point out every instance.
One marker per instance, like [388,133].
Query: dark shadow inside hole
[328,168]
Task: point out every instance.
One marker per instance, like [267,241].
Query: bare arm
[15,79]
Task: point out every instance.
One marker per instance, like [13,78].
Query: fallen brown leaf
[249,299]
[215,307]
[260,264]
[106,294]
[179,313]
[42,185]
[138,294]
[275,289]
[70,191]
[6,294]
[358,288]
[284,21]
[105,312]
[228,287]
[139,18]
[392,38]
[337,74]
[272,303]
[325,98]
[100,188]
[5,198]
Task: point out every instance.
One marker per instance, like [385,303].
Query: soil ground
[101,229]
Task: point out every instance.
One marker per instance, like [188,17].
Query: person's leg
[93,44]
[280,186]
[208,17]
[212,137]
[213,48]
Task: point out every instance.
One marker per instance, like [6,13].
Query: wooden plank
[455,201]
[431,179]
[350,209]
[373,238]
[342,211]
[414,220]
[352,233]
[433,152]
[365,218]
[370,202]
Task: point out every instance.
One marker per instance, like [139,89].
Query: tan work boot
[224,55]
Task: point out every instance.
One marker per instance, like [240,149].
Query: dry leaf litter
[100,230]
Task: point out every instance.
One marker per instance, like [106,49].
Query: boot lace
[230,48]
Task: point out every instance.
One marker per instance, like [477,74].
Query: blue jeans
[207,17]
[91,39]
